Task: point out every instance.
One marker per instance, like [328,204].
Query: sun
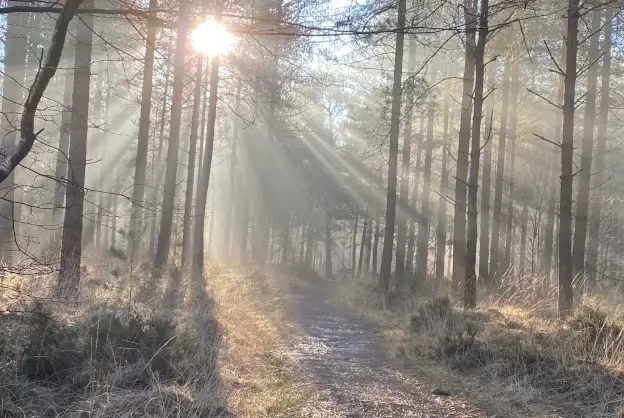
[211,38]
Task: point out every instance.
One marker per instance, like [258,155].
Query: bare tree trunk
[513,122]
[444,174]
[365,228]
[15,51]
[582,199]
[411,240]
[171,171]
[114,211]
[547,260]
[197,272]
[470,283]
[376,239]
[461,177]
[523,240]
[566,273]
[190,173]
[484,239]
[138,191]
[495,246]
[386,258]
[405,169]
[354,243]
[422,250]
[601,145]
[328,239]
[71,245]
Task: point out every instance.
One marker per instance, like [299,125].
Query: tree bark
[138,191]
[190,173]
[470,281]
[411,238]
[523,240]
[171,171]
[444,174]
[328,239]
[363,243]
[405,169]
[582,197]
[566,273]
[71,245]
[484,239]
[386,258]
[601,146]
[461,177]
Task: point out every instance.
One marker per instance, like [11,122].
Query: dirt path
[349,372]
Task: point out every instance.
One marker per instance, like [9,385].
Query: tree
[388,245]
[71,245]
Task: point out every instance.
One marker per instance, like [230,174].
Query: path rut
[350,374]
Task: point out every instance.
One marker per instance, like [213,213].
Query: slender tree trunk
[197,271]
[601,145]
[363,243]
[461,177]
[422,249]
[470,283]
[138,191]
[354,243]
[190,173]
[513,122]
[547,260]
[376,239]
[71,245]
[523,240]
[386,258]
[405,169]
[495,247]
[15,51]
[484,239]
[328,239]
[444,174]
[231,189]
[114,211]
[582,199]
[411,240]
[171,171]
[566,272]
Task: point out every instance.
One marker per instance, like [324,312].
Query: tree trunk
[411,240]
[71,245]
[190,172]
[363,243]
[470,281]
[566,273]
[513,122]
[197,272]
[376,239]
[138,191]
[582,199]
[232,180]
[523,240]
[422,250]
[405,169]
[12,97]
[495,246]
[461,177]
[386,258]
[444,174]
[484,239]
[328,239]
[171,171]
[601,145]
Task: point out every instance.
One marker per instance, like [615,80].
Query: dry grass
[512,356]
[127,355]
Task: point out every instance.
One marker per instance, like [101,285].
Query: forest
[169,166]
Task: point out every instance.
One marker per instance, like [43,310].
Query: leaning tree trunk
[12,93]
[190,172]
[582,199]
[484,239]
[386,257]
[603,120]
[171,171]
[461,177]
[470,281]
[140,167]
[566,273]
[71,245]
[405,170]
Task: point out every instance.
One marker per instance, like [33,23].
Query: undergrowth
[512,347]
[132,354]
